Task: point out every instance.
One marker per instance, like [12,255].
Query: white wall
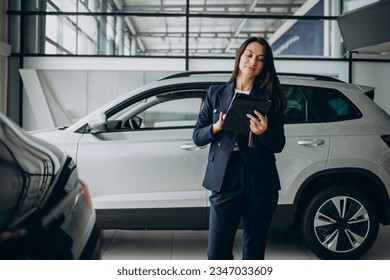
[376,75]
[68,95]
[74,87]
[333,68]
[104,63]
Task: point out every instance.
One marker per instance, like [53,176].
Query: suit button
[219,144]
[215,111]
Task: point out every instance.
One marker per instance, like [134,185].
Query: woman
[243,176]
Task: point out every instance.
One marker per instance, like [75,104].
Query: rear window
[330,105]
[314,105]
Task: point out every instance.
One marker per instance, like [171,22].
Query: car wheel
[340,223]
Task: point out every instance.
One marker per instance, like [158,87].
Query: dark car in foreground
[45,210]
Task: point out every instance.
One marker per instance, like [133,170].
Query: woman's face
[251,61]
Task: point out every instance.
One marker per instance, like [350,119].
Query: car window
[330,105]
[171,113]
[298,109]
[171,109]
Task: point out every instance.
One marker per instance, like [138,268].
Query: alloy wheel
[341,224]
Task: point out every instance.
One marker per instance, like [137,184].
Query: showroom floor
[191,245]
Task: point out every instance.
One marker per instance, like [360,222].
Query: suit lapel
[226,96]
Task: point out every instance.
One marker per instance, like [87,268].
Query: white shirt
[241,91]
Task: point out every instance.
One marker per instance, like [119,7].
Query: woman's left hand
[258,124]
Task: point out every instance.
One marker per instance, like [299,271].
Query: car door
[147,159]
[307,144]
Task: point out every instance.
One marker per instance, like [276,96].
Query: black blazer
[259,160]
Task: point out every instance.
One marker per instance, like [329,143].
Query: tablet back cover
[236,119]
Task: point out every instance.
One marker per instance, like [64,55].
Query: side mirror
[98,124]
[135,122]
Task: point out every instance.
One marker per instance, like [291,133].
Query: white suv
[144,171]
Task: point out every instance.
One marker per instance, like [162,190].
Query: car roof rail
[329,78]
[192,73]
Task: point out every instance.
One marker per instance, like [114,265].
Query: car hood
[57,136]
[46,130]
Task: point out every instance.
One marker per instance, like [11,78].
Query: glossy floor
[191,245]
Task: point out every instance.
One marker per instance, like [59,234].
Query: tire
[339,223]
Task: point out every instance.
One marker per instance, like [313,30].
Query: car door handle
[191,147]
[311,142]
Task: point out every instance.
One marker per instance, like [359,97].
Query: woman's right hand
[217,127]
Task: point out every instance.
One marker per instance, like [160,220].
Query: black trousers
[237,200]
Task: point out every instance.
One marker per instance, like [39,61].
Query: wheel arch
[361,179]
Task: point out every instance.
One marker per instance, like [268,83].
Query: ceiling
[158,27]
[208,35]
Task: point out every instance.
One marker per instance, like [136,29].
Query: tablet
[243,104]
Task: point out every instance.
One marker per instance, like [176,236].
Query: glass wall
[175,28]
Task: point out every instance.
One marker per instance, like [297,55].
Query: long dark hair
[267,77]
